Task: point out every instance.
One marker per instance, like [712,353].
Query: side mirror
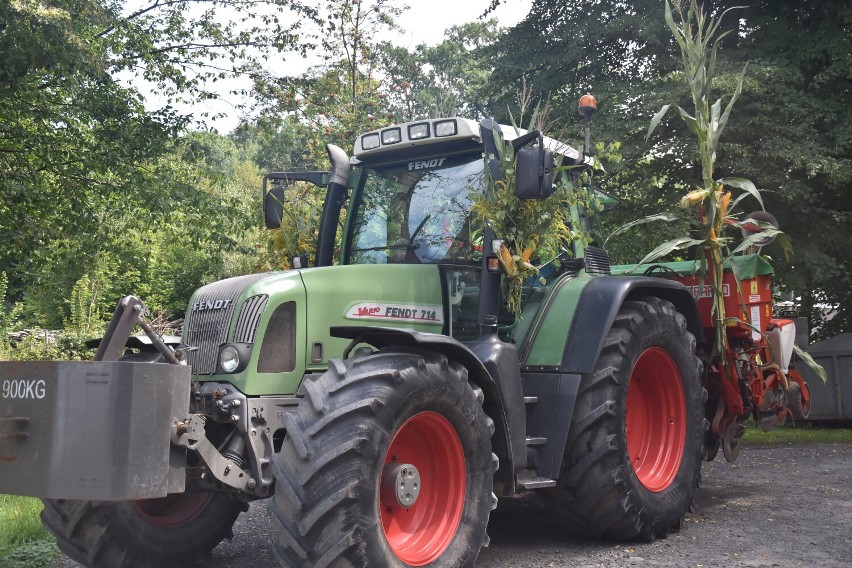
[275,185]
[534,172]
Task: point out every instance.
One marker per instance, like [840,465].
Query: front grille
[249,317]
[208,319]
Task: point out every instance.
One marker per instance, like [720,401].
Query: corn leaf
[673,27]
[693,124]
[669,247]
[754,239]
[657,118]
[745,185]
[724,120]
[649,219]
[786,246]
[809,361]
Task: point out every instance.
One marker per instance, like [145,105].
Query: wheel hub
[400,485]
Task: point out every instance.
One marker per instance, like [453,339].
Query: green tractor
[383,398]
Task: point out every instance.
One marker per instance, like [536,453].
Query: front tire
[386,462]
[151,533]
[632,463]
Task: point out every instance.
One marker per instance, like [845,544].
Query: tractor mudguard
[598,305]
[503,398]
[96,430]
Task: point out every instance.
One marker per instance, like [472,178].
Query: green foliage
[24,542]
[797,435]
[6,318]
[531,229]
[789,131]
[98,197]
[32,554]
[448,79]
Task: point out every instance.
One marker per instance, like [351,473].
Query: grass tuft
[24,542]
[797,435]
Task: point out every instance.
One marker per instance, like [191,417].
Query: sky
[426,20]
[423,22]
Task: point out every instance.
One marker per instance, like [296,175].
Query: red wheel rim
[173,510]
[420,534]
[655,419]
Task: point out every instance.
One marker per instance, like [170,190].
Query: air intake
[596,261]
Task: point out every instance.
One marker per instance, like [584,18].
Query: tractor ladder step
[536,482]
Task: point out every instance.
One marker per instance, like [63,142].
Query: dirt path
[784,506]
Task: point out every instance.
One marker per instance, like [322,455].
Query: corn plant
[698,35]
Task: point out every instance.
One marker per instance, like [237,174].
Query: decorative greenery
[530,229]
[698,37]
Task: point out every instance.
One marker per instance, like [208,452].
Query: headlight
[446,128]
[418,131]
[370,141]
[229,359]
[391,136]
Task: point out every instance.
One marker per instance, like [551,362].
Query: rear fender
[599,303]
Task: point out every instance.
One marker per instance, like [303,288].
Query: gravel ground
[783,506]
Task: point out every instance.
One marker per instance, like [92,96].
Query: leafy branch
[530,229]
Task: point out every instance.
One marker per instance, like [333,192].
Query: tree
[81,160]
[789,133]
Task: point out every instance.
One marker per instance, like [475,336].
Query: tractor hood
[280,321]
[390,295]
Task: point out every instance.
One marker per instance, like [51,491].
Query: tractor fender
[496,400]
[598,305]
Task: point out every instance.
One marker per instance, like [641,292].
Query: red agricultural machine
[755,376]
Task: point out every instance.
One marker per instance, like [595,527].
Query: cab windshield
[418,212]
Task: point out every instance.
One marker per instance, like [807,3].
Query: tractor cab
[405,198]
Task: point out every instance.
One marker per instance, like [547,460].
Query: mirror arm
[522,141]
[317,178]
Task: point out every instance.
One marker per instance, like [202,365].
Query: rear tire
[362,423]
[153,533]
[632,463]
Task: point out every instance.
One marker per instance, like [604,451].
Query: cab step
[536,482]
